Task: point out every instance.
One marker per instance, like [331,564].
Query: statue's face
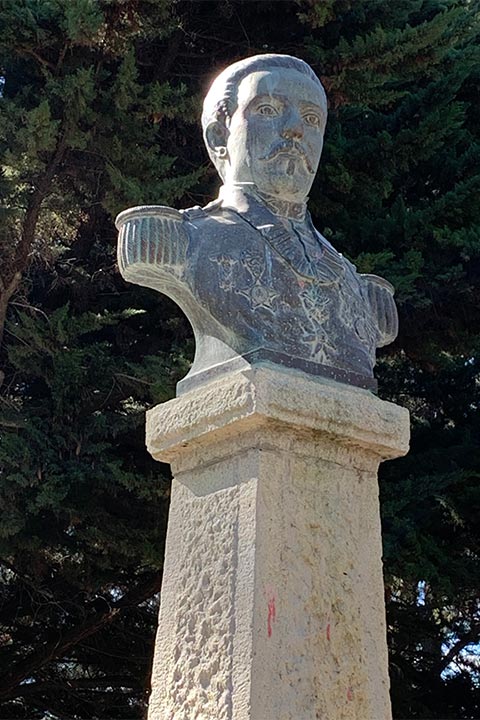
[276,133]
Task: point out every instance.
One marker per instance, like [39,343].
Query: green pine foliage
[83,506]
[99,110]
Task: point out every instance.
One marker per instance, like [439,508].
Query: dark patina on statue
[255,278]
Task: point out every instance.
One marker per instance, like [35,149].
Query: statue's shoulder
[163,222]
[209,214]
[199,213]
[212,223]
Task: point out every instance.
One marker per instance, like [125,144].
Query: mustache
[289,146]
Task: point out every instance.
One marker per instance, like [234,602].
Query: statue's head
[263,122]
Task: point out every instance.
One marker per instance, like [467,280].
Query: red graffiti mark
[350,694]
[271,615]
[328,632]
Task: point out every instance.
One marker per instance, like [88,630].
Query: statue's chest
[284,299]
[248,275]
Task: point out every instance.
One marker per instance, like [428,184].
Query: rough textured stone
[255,278]
[272,602]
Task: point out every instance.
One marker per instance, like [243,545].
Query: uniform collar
[238,196]
[284,208]
[321,262]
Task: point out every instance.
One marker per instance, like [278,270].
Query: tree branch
[76,684]
[28,52]
[471,636]
[22,251]
[10,681]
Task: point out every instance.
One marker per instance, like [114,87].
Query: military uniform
[256,279]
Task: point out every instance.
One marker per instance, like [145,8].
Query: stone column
[272,604]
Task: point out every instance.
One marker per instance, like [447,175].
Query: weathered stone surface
[272,600]
[269,396]
[255,278]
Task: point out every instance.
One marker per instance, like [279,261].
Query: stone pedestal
[272,604]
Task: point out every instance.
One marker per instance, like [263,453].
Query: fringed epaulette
[153,236]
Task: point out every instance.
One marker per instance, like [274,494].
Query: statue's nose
[293,127]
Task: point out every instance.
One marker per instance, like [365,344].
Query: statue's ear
[216,135]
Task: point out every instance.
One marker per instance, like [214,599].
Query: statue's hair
[221,100]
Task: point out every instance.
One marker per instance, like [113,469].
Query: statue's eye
[267,110]
[312,119]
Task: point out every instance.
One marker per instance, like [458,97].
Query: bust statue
[255,278]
